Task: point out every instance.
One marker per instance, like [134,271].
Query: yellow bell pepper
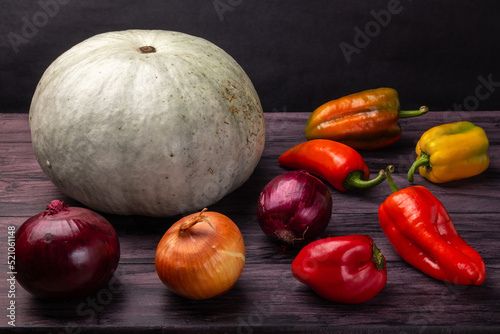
[450,152]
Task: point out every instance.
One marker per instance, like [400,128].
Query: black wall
[299,54]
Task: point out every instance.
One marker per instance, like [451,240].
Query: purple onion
[294,208]
[65,252]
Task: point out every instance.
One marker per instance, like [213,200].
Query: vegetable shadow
[217,309]
[86,311]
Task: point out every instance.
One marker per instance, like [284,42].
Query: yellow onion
[201,256]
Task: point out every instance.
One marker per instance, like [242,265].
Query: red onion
[65,252]
[294,208]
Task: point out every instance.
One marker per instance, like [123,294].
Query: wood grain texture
[266,298]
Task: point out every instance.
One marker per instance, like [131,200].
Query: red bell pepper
[422,233]
[347,269]
[340,165]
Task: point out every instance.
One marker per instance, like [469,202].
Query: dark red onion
[65,252]
[294,208]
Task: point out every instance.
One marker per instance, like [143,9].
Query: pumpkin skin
[156,134]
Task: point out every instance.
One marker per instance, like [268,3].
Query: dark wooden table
[266,298]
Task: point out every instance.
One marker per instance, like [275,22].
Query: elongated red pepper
[422,233]
[338,164]
[347,269]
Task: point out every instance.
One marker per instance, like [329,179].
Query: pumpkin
[146,122]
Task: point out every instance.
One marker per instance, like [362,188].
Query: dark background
[440,53]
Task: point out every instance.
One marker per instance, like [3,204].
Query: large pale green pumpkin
[146,122]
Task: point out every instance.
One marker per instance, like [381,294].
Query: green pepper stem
[377,257]
[424,160]
[413,113]
[390,180]
[355,180]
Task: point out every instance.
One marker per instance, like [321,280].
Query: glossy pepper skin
[421,231]
[366,120]
[340,165]
[451,152]
[347,269]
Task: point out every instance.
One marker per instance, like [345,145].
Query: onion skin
[201,256]
[65,252]
[294,208]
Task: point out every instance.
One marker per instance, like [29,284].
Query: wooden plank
[14,128]
[266,298]
[22,181]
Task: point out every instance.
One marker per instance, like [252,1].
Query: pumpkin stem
[146,49]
